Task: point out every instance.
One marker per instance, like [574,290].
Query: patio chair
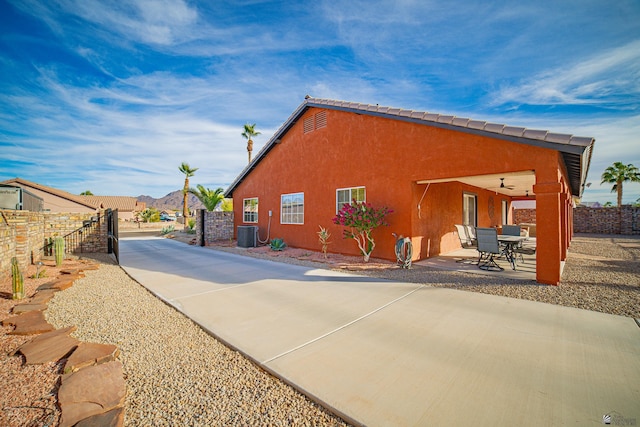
[489,248]
[466,241]
[511,230]
[471,232]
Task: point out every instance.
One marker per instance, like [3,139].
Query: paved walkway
[398,354]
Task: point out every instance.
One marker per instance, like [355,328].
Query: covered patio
[493,195]
[465,260]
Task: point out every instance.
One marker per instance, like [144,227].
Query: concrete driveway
[383,353]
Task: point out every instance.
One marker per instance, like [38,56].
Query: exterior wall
[20,233]
[441,208]
[389,157]
[24,233]
[614,220]
[53,203]
[218,226]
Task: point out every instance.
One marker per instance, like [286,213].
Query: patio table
[510,243]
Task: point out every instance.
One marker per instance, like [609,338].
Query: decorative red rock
[23,308]
[87,354]
[49,347]
[43,297]
[59,284]
[31,322]
[91,391]
[113,418]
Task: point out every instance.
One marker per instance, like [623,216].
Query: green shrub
[277,244]
[168,229]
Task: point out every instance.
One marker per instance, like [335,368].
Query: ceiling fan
[508,187]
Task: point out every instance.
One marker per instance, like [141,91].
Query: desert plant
[209,198]
[323,237]
[191,223]
[168,229]
[277,244]
[17,280]
[39,274]
[58,250]
[361,219]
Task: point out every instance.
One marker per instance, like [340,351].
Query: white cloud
[608,78]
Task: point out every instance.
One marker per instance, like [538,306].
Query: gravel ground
[177,374]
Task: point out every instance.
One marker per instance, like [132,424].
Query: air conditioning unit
[247,236]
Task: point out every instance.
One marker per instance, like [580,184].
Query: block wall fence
[623,220]
[217,226]
[24,233]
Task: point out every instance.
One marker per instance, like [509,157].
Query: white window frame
[340,203]
[296,214]
[505,211]
[247,215]
[467,218]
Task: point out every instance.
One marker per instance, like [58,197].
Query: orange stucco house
[432,170]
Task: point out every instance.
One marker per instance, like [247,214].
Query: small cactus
[17,281]
[58,250]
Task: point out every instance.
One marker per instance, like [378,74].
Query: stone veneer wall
[24,233]
[524,216]
[613,220]
[217,226]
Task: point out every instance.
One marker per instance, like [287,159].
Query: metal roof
[576,150]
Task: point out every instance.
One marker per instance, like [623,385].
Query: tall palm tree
[209,198]
[618,173]
[249,132]
[188,172]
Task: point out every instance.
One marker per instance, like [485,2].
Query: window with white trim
[292,208]
[470,209]
[250,210]
[345,196]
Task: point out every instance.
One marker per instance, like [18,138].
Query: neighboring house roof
[50,190]
[575,150]
[122,203]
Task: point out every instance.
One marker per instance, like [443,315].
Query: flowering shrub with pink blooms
[361,219]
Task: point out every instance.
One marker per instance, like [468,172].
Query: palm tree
[250,132]
[188,172]
[618,173]
[209,198]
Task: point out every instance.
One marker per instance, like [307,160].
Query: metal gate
[112,233]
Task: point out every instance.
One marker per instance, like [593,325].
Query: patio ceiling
[516,184]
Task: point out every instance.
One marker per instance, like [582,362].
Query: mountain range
[171,202]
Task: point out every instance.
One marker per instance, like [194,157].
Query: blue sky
[111,96]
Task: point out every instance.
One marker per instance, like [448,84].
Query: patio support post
[564,225]
[549,240]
